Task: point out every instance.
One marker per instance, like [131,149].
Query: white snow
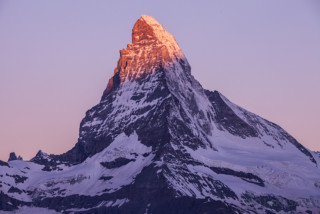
[94,122]
[83,178]
[286,171]
[30,210]
[120,202]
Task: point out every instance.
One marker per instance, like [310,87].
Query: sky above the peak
[57,57]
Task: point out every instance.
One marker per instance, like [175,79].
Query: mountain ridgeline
[157,142]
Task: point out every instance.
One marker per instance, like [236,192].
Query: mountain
[158,142]
[13,157]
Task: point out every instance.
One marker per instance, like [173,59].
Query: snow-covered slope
[159,143]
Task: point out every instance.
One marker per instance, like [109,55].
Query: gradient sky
[57,56]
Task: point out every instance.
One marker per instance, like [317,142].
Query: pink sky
[57,56]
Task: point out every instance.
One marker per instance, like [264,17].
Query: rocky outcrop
[13,157]
[152,47]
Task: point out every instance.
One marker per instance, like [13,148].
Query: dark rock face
[50,162]
[152,128]
[14,189]
[18,178]
[13,157]
[227,119]
[183,205]
[230,121]
[2,163]
[10,204]
[116,163]
[40,158]
[299,146]
[249,177]
[272,202]
[105,178]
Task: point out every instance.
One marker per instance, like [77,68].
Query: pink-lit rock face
[152,47]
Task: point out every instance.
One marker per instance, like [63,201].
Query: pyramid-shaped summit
[152,47]
[159,143]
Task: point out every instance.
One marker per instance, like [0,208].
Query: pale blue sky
[56,58]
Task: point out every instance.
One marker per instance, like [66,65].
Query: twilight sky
[57,56]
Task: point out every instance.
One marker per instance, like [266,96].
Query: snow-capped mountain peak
[157,142]
[152,47]
[147,30]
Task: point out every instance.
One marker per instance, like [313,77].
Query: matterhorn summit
[152,47]
[158,142]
